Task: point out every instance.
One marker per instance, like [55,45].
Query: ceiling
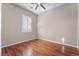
[31,7]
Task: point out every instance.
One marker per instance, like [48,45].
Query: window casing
[26,23]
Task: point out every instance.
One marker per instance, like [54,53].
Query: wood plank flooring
[39,47]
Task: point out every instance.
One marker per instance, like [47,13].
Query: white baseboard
[16,43]
[41,39]
[61,43]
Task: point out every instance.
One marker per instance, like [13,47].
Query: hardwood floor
[39,47]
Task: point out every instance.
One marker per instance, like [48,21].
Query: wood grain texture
[39,47]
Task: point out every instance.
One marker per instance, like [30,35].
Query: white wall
[0,29]
[78,26]
[11,25]
[58,23]
[52,25]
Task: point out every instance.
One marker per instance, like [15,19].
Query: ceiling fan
[39,4]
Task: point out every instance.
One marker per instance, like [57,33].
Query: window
[26,24]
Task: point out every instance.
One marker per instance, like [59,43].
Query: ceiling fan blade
[36,7]
[42,6]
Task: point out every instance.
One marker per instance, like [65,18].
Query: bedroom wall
[78,26]
[59,25]
[0,29]
[11,25]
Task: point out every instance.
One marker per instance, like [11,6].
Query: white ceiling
[31,7]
